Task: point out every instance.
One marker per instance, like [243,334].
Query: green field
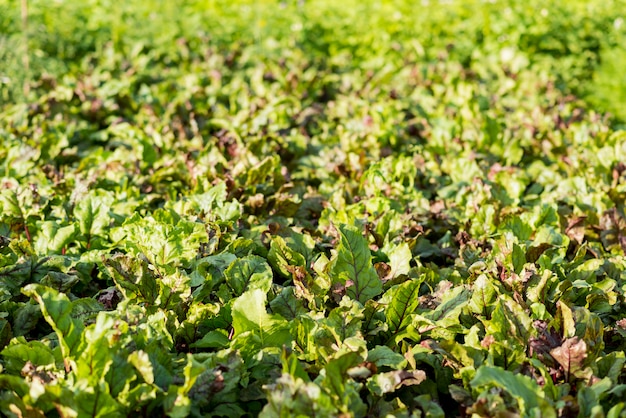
[312,208]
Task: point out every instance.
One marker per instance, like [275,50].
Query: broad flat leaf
[571,356]
[164,238]
[26,318]
[283,258]
[589,398]
[57,310]
[249,314]
[53,237]
[5,332]
[250,272]
[353,266]
[509,322]
[209,271]
[533,253]
[403,303]
[96,356]
[10,204]
[611,365]
[293,366]
[304,335]
[290,396]
[133,278]
[212,339]
[564,320]
[337,372]
[92,214]
[213,204]
[141,361]
[527,392]
[591,328]
[287,305]
[60,281]
[483,296]
[241,247]
[452,303]
[198,315]
[96,401]
[19,352]
[177,403]
[174,290]
[14,383]
[258,175]
[617,411]
[521,229]
[382,383]
[345,320]
[120,374]
[399,259]
[382,355]
[518,257]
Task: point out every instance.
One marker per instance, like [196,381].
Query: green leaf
[250,272]
[404,302]
[96,357]
[249,314]
[133,278]
[5,332]
[26,318]
[209,271]
[54,238]
[92,215]
[483,296]
[214,205]
[164,238]
[19,352]
[289,396]
[57,310]
[174,290]
[518,258]
[345,321]
[353,266]
[335,380]
[10,204]
[288,305]
[384,356]
[509,322]
[388,382]
[141,361]
[452,303]
[283,258]
[177,402]
[212,339]
[399,259]
[95,401]
[528,394]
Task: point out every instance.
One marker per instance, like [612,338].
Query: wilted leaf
[388,382]
[571,356]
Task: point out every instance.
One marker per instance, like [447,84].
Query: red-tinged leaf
[571,356]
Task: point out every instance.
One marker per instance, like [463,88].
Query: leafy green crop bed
[381,208]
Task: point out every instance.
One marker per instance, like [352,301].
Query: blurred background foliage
[579,43]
